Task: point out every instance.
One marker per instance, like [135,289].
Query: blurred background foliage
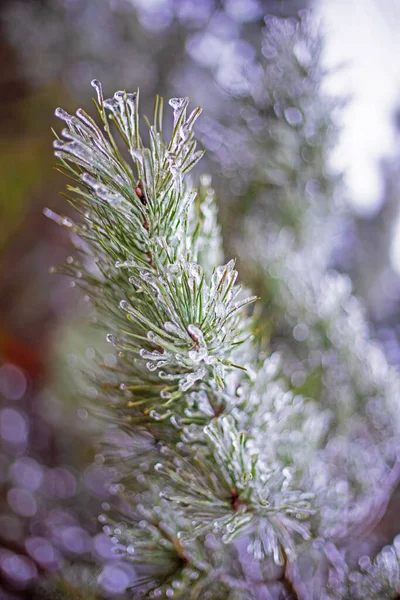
[208,50]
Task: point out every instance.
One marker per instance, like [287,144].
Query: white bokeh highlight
[363,35]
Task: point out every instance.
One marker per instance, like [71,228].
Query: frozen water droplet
[173,328]
[196,334]
[293,116]
[88,179]
[62,114]
[137,155]
[220,310]
[176,422]
[365,563]
[98,87]
[198,355]
[178,105]
[111,104]
[131,101]
[184,132]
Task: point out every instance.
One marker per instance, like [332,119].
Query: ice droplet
[197,335]
[62,114]
[111,104]
[178,105]
[198,355]
[98,87]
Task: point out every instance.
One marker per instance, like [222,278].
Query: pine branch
[377,578]
[184,349]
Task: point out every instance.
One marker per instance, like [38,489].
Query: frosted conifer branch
[231,491]
[148,230]
[378,578]
[183,338]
